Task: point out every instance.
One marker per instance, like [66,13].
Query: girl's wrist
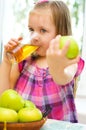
[6,60]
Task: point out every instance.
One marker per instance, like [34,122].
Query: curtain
[82,82]
[84,32]
[1,26]
[6,23]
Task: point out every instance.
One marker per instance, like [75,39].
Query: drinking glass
[21,51]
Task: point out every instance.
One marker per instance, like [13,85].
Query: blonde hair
[60,14]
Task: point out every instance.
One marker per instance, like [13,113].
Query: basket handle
[47,111]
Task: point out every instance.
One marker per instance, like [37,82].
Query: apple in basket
[29,114]
[29,104]
[8,115]
[73,49]
[11,99]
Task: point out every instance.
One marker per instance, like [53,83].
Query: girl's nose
[35,36]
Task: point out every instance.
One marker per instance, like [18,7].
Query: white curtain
[2,3]
[82,82]
[6,22]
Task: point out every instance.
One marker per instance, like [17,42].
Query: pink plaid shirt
[37,85]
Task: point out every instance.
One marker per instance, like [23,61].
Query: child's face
[42,29]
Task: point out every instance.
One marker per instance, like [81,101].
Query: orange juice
[20,52]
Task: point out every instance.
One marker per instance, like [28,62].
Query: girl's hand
[56,58]
[10,45]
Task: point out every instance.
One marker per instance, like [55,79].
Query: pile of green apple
[13,108]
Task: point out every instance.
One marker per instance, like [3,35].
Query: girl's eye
[31,30]
[43,30]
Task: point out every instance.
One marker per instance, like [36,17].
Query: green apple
[29,114]
[29,104]
[11,99]
[8,115]
[73,49]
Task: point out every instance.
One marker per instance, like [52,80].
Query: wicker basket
[23,126]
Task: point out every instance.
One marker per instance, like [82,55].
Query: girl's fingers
[51,47]
[20,38]
[54,45]
[15,41]
[66,47]
[12,43]
[57,43]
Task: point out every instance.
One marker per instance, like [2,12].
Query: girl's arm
[5,69]
[8,73]
[65,76]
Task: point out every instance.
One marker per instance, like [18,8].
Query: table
[62,125]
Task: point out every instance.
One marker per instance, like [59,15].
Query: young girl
[47,77]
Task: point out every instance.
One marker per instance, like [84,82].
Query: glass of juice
[21,51]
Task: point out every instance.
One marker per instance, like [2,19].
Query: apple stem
[5,126]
